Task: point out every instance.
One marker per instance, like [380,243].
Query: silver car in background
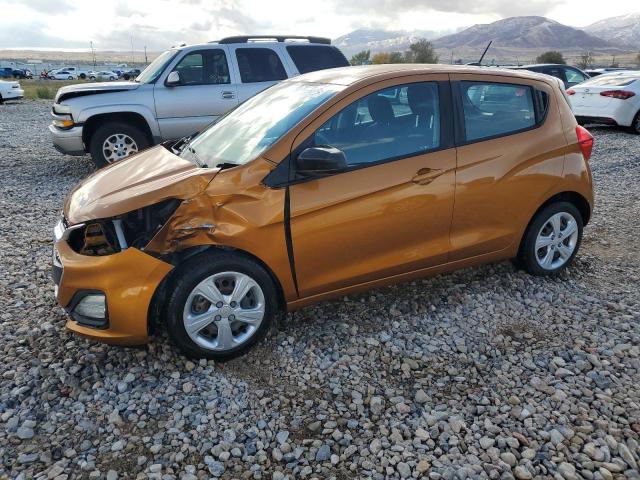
[180,92]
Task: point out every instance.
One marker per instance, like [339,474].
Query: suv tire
[256,303]
[552,239]
[126,140]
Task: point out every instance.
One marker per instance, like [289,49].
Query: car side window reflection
[392,123]
[206,67]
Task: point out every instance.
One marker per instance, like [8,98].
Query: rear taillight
[585,140]
[571,92]
[619,94]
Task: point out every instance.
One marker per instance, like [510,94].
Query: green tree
[387,57]
[361,58]
[421,51]
[552,56]
[585,60]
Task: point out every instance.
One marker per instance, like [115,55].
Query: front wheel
[552,239]
[115,141]
[220,306]
[69,77]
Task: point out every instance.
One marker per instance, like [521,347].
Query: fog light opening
[90,308]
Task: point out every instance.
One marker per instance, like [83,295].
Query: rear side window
[311,58]
[496,109]
[259,65]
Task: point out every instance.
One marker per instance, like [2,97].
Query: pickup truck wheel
[114,141]
[221,304]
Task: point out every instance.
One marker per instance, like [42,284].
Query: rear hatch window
[309,58]
[611,81]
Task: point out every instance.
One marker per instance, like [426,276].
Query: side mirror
[324,160]
[173,79]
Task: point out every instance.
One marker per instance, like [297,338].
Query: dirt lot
[484,373]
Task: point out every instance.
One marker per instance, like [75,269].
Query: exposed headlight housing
[133,229]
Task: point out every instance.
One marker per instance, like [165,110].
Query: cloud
[124,10]
[57,7]
[33,35]
[501,8]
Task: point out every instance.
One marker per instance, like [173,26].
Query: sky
[159,24]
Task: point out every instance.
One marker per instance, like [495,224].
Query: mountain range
[511,35]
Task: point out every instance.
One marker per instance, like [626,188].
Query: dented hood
[82,89]
[144,179]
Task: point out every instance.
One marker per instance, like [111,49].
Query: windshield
[155,68]
[244,133]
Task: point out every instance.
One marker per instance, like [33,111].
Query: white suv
[183,90]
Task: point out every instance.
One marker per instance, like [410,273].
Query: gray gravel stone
[482,373]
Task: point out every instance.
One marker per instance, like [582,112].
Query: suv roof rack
[278,38]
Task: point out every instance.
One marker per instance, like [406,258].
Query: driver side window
[204,67]
[389,124]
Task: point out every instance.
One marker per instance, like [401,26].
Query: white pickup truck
[75,71]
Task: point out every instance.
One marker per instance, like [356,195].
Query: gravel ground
[483,373]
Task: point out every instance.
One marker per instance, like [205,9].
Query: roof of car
[367,73]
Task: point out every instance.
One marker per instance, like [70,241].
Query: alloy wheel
[556,241]
[118,146]
[224,311]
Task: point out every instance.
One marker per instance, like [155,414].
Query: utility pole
[145,55]
[132,56]
[93,55]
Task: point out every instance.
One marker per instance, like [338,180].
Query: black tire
[92,77]
[635,125]
[527,255]
[69,77]
[83,76]
[194,271]
[105,131]
[1,100]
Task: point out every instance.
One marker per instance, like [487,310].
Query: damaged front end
[133,229]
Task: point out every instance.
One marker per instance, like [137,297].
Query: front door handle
[424,176]
[228,95]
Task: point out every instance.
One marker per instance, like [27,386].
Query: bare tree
[585,60]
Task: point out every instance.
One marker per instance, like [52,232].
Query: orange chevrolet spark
[324,185]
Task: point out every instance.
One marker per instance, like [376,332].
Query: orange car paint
[390,222]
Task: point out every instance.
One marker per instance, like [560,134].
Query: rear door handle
[424,176]
[228,95]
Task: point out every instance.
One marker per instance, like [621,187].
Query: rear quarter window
[497,109]
[309,58]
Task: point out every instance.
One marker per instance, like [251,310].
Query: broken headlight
[133,229]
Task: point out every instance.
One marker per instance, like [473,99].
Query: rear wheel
[220,306]
[551,240]
[69,77]
[115,141]
[635,125]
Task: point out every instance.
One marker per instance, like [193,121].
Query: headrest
[421,98]
[380,109]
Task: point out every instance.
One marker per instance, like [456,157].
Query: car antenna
[485,52]
[479,62]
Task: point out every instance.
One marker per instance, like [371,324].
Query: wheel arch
[131,118]
[575,198]
[157,306]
